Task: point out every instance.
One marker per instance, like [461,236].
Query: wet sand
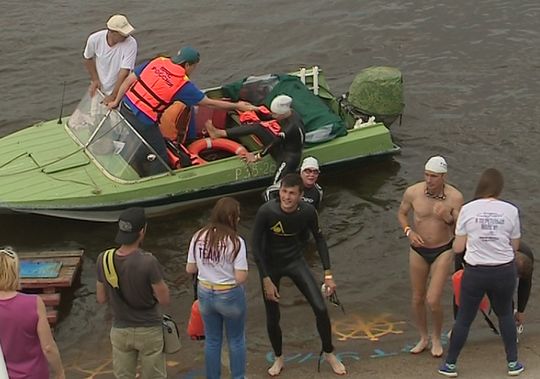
[385,358]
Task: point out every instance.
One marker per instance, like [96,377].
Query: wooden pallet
[47,287]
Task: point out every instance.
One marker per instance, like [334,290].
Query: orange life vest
[251,116]
[156,86]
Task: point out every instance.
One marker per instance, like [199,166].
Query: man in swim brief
[435,207]
[430,254]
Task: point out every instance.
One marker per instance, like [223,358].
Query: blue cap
[186,54]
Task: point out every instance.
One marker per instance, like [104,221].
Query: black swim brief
[431,253]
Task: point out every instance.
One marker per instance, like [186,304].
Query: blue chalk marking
[380,354]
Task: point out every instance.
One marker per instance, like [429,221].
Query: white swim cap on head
[281,104]
[309,162]
[436,164]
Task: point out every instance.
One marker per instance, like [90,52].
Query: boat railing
[110,140]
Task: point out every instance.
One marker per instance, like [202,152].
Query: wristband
[407,230]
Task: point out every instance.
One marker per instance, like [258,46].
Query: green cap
[186,54]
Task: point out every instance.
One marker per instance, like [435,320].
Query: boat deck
[48,287]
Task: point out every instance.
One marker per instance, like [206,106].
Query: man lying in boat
[152,87]
[282,136]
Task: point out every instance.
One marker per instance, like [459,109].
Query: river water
[471,91]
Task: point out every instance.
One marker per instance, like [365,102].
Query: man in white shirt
[109,56]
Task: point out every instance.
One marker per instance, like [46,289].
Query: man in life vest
[284,143]
[152,87]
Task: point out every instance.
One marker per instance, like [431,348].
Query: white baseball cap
[311,163]
[436,164]
[281,104]
[119,23]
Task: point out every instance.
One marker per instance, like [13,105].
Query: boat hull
[48,169]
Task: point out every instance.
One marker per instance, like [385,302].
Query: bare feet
[337,366]
[214,132]
[436,348]
[276,368]
[420,346]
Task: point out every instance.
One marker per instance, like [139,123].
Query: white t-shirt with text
[221,272]
[489,225]
[109,60]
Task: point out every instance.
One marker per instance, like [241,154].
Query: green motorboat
[81,167]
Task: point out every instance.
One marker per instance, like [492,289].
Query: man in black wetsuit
[277,248]
[313,192]
[284,146]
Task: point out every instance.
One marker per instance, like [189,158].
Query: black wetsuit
[524,283]
[277,248]
[286,149]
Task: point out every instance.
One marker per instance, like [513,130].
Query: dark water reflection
[470,70]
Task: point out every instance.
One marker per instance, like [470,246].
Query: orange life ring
[456,284]
[218,144]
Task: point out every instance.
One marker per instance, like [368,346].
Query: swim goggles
[333,298]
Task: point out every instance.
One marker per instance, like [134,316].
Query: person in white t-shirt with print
[489,229]
[218,255]
[109,56]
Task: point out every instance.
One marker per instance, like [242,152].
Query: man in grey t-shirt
[136,333]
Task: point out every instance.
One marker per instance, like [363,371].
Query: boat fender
[195,327]
[456,284]
[218,144]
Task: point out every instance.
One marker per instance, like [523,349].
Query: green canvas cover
[377,91]
[315,114]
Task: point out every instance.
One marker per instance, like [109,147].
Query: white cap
[281,104]
[119,23]
[311,163]
[436,164]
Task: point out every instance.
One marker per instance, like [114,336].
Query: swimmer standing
[435,206]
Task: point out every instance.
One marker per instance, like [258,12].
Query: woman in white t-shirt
[489,228]
[218,254]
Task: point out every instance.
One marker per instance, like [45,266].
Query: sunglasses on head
[9,252]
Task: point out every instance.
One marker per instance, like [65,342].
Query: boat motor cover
[377,91]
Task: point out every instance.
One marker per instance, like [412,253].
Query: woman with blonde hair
[25,335]
[218,254]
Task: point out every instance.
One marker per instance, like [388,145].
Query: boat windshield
[110,140]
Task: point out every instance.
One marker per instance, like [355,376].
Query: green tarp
[314,112]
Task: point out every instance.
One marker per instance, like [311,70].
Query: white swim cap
[309,162]
[281,104]
[436,164]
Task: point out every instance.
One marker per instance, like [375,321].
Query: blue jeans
[227,308]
